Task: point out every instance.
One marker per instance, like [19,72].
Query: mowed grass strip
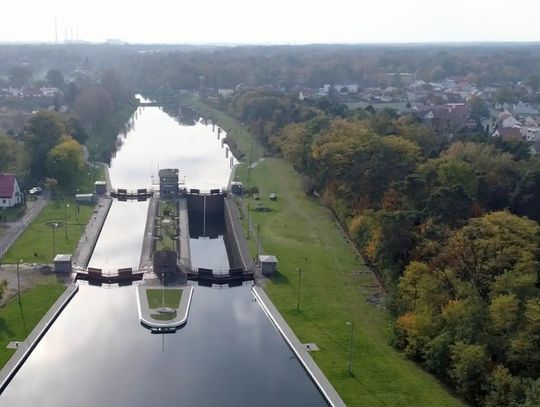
[18,320]
[35,245]
[163,298]
[335,286]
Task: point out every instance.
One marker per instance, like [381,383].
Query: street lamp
[54,226]
[349,364]
[18,281]
[65,219]
[299,288]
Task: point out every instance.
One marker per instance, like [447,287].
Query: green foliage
[468,369]
[93,106]
[55,78]
[13,156]
[65,161]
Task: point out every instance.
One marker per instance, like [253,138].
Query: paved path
[26,345]
[145,263]
[15,229]
[89,238]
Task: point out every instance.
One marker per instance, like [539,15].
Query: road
[14,229]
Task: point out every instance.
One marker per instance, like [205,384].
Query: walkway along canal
[97,352]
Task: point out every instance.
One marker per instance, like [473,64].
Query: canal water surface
[97,354]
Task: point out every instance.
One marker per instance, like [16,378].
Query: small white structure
[62,263]
[10,193]
[268,264]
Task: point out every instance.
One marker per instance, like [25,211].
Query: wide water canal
[97,353]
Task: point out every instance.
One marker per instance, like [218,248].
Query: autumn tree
[65,161]
[93,106]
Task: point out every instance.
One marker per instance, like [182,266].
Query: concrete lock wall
[213,204]
[232,236]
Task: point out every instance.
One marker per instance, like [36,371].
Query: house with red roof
[10,193]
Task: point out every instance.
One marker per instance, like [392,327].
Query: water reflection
[97,354]
[228,354]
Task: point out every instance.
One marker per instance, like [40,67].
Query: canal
[97,353]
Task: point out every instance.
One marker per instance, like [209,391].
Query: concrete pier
[184,252]
[145,264]
[88,241]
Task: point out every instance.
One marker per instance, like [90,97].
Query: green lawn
[35,245]
[163,298]
[335,285]
[16,322]
[303,234]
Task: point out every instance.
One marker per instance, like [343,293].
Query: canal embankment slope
[335,288]
[25,346]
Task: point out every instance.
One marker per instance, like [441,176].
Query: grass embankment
[35,245]
[18,320]
[163,298]
[335,286]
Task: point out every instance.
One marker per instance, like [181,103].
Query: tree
[13,157]
[3,286]
[93,106]
[55,78]
[114,85]
[478,108]
[20,76]
[468,370]
[65,161]
[526,198]
[44,131]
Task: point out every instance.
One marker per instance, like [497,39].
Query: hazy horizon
[241,22]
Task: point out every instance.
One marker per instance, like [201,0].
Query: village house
[10,193]
[524,109]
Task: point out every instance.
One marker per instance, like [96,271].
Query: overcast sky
[272,21]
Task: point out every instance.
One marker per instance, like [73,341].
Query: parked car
[35,191]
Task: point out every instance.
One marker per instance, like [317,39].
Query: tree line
[448,224]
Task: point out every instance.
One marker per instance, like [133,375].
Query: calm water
[98,354]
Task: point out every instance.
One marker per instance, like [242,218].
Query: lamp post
[54,226]
[65,219]
[349,363]
[18,281]
[299,288]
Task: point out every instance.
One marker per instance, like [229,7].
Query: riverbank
[336,288]
[25,345]
[19,320]
[102,141]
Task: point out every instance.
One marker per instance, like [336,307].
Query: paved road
[16,228]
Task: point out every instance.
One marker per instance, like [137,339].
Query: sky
[271,22]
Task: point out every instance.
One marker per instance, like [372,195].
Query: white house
[524,108]
[510,122]
[531,133]
[10,193]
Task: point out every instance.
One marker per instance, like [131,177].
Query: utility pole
[258,237]
[349,363]
[247,222]
[65,219]
[299,288]
[18,281]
